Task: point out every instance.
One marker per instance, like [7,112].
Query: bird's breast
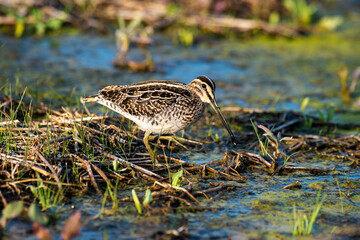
[171,120]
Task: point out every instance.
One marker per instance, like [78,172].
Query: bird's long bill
[226,125]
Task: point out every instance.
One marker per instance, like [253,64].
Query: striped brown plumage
[161,107]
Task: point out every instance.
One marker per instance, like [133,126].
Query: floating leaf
[12,210]
[36,215]
[136,201]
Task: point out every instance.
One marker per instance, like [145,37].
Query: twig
[171,158]
[257,156]
[178,198]
[129,164]
[41,170]
[3,199]
[102,174]
[19,161]
[167,185]
[293,185]
[285,125]
[44,181]
[53,140]
[87,164]
[306,169]
[93,181]
[49,166]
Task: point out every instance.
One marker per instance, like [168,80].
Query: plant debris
[66,151]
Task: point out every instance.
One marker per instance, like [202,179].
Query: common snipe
[161,107]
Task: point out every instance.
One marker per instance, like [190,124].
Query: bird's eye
[203,86]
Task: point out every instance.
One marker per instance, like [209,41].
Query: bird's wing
[145,100]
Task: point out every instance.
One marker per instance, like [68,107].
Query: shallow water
[261,72]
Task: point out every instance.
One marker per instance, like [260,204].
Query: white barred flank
[145,123]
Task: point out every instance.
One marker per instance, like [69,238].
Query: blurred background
[296,60]
[274,54]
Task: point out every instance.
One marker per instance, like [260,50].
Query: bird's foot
[177,140]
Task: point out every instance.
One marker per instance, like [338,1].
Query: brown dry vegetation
[71,153]
[214,16]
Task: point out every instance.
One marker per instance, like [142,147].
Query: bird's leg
[146,142]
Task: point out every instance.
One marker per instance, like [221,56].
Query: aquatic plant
[301,223]
[176,181]
[210,134]
[304,104]
[40,19]
[347,92]
[302,13]
[124,34]
[340,196]
[308,121]
[19,20]
[133,32]
[330,22]
[185,36]
[262,148]
[136,201]
[147,198]
[42,24]
[113,195]
[329,113]
[47,195]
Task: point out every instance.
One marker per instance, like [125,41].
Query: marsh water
[262,72]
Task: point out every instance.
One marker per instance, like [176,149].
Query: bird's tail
[92,98]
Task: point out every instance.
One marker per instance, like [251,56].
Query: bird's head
[204,87]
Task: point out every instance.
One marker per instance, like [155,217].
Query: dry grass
[53,155]
[70,153]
